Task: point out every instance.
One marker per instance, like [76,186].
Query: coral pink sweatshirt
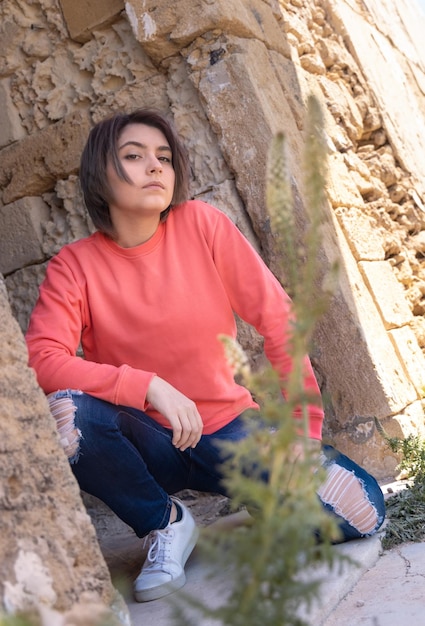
[158,308]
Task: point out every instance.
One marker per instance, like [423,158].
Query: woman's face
[145,156]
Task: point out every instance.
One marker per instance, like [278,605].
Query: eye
[164,159]
[132,157]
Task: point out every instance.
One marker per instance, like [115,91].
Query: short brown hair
[101,146]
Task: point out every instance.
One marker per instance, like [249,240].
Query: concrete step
[125,554]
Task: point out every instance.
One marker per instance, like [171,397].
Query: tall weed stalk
[270,566]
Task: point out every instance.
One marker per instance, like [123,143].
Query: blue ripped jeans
[127,460]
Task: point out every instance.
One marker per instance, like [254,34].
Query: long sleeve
[60,319]
[259,299]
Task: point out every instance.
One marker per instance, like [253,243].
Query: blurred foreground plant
[20,620]
[273,561]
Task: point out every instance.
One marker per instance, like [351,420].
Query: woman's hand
[181,412]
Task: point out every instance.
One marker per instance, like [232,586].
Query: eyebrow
[143,146]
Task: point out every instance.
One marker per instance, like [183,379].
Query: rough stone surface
[218,72]
[32,166]
[24,285]
[49,551]
[23,221]
[231,73]
[10,124]
[164,28]
[82,18]
[387,293]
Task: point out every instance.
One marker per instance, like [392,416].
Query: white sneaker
[163,571]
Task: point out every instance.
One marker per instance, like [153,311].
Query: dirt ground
[124,553]
[206,508]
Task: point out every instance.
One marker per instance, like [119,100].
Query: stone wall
[232,73]
[50,560]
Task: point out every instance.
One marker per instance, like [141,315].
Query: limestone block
[401,425]
[31,166]
[333,52]
[361,370]
[20,226]
[212,180]
[361,233]
[240,90]
[374,455]
[343,106]
[10,124]
[226,198]
[208,166]
[408,422]
[383,48]
[418,327]
[22,288]
[163,28]
[11,36]
[294,88]
[49,553]
[360,173]
[340,186]
[382,165]
[387,292]
[372,451]
[410,355]
[312,63]
[83,17]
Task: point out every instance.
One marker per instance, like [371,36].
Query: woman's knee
[355,496]
[63,410]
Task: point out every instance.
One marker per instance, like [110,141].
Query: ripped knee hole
[344,492]
[63,410]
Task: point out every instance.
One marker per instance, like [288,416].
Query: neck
[132,235]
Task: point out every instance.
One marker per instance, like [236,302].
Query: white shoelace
[159,551]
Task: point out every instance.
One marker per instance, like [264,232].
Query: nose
[154,164]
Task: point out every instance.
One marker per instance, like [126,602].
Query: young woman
[147,296]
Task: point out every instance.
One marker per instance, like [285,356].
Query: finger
[191,431]
[186,440]
[197,429]
[182,431]
[177,433]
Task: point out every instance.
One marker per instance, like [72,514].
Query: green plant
[412,451]
[406,516]
[20,619]
[268,558]
[406,509]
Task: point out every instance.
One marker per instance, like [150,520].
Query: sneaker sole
[147,595]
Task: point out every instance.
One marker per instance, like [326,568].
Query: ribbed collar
[143,249]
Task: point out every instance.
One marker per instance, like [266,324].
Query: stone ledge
[163,28]
[32,166]
[83,17]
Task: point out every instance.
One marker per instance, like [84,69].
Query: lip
[155,184]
